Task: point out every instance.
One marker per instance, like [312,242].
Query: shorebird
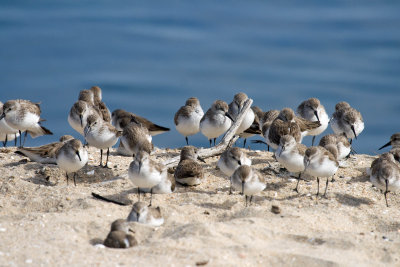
[78,114]
[235,107]
[145,172]
[265,121]
[394,141]
[24,116]
[291,155]
[142,213]
[121,118]
[119,237]
[7,133]
[101,106]
[312,110]
[347,120]
[216,121]
[254,127]
[166,186]
[189,171]
[340,141]
[319,162]
[248,181]
[187,118]
[135,137]
[71,157]
[44,154]
[101,134]
[385,174]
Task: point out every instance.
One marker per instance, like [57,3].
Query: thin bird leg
[297,185]
[138,191]
[67,177]
[386,191]
[151,196]
[20,138]
[26,133]
[15,140]
[108,153]
[251,198]
[246,199]
[101,158]
[318,186]
[5,141]
[187,140]
[313,139]
[74,178]
[210,142]
[268,147]
[215,139]
[230,185]
[244,143]
[326,187]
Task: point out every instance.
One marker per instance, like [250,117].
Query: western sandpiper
[145,172]
[187,118]
[265,121]
[254,127]
[71,157]
[166,186]
[101,134]
[347,120]
[24,116]
[189,171]
[291,155]
[385,174]
[78,114]
[340,141]
[142,213]
[121,118]
[101,106]
[7,133]
[235,108]
[312,110]
[248,181]
[216,121]
[119,236]
[394,141]
[46,153]
[135,137]
[319,162]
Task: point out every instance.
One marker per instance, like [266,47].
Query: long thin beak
[201,159]
[354,131]
[140,166]
[79,156]
[240,163]
[80,118]
[385,145]
[137,217]
[316,115]
[283,149]
[3,115]
[229,116]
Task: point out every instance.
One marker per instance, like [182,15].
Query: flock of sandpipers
[282,130]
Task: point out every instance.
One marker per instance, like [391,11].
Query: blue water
[150,56]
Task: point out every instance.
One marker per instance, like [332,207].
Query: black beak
[3,115]
[240,164]
[201,159]
[229,116]
[283,149]
[316,115]
[140,166]
[354,131]
[79,156]
[385,145]
[80,117]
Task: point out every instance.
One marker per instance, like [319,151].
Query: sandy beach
[45,222]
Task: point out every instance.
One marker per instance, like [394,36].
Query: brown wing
[184,111]
[306,125]
[30,106]
[278,128]
[301,149]
[331,157]
[189,168]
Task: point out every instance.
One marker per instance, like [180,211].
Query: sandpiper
[71,157]
[189,171]
[187,118]
[121,118]
[100,134]
[24,116]
[7,133]
[216,121]
[254,127]
[312,110]
[142,213]
[166,186]
[101,106]
[119,237]
[347,120]
[265,121]
[319,162]
[340,141]
[385,174]
[248,181]
[145,172]
[135,137]
[78,114]
[394,141]
[235,108]
[291,155]
[44,154]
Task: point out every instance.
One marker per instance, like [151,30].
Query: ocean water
[150,56]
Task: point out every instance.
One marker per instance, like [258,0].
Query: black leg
[326,186]
[313,139]
[318,186]
[20,138]
[101,158]
[151,196]
[333,179]
[187,140]
[245,197]
[26,133]
[297,185]
[210,142]
[15,140]
[215,139]
[74,178]
[5,141]
[244,142]
[138,191]
[386,191]
[67,177]
[351,141]
[251,198]
[268,147]
[108,153]
[230,186]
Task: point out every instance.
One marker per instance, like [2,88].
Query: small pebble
[275,209]
[201,263]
